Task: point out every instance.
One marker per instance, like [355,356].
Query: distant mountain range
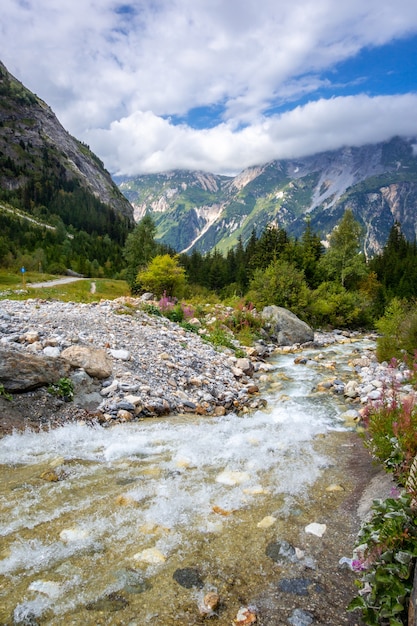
[196,210]
[45,171]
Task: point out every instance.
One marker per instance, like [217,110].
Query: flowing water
[135,524]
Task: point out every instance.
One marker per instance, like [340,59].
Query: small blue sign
[23,270]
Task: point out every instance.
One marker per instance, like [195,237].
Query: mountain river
[139,523]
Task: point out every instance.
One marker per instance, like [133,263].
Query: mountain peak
[377,182]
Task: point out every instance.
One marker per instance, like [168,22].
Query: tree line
[327,283]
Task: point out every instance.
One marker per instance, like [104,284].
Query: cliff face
[34,146]
[377,182]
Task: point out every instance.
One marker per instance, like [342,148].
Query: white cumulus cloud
[124,75]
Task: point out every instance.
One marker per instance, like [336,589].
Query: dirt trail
[54,283]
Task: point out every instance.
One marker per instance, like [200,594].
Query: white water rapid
[96,523]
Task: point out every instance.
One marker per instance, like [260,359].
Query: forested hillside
[48,176]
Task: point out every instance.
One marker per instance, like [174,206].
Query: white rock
[375,394]
[267,522]
[121,355]
[316,529]
[351,389]
[152,556]
[106,391]
[51,351]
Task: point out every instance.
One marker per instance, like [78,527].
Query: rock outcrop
[22,371]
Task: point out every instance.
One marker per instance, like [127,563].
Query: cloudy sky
[217,85]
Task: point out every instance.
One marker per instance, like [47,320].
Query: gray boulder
[285,328]
[24,370]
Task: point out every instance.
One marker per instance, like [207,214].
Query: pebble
[246,616]
[209,603]
[316,529]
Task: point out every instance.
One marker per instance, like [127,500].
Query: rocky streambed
[246,508]
[125,365]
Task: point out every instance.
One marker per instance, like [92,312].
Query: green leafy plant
[386,557]
[64,389]
[4,394]
[219,337]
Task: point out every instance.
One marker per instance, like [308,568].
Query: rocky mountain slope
[201,211]
[36,151]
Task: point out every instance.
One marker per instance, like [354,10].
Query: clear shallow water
[95,522]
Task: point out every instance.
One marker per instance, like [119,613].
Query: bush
[390,432]
[398,328]
[163,275]
[332,305]
[282,284]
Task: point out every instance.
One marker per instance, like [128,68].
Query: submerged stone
[245,617]
[133,581]
[267,521]
[280,551]
[209,603]
[152,556]
[188,577]
[111,602]
[296,586]
[301,618]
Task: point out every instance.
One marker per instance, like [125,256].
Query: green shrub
[398,329]
[282,284]
[332,305]
[220,337]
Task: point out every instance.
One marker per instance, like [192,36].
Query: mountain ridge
[196,210]
[34,143]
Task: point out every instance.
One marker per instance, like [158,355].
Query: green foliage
[140,248]
[387,551]
[64,389]
[37,244]
[244,323]
[4,394]
[218,336]
[342,261]
[398,328]
[282,284]
[163,274]
[333,305]
[396,266]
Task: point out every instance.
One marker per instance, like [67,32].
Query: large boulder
[24,370]
[95,361]
[284,327]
